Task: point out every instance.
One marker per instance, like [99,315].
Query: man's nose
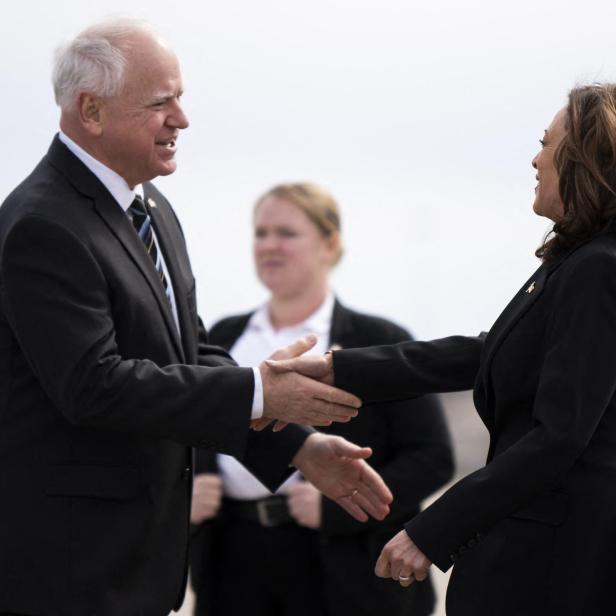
[177,118]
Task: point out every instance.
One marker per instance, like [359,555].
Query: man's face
[140,125]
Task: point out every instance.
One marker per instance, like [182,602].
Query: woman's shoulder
[589,268]
[228,329]
[376,328]
[600,250]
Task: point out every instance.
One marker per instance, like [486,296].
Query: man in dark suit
[106,374]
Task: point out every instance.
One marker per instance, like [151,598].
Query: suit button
[452,558]
[186,473]
[462,549]
[471,543]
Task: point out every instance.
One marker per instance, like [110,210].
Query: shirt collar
[319,322]
[113,182]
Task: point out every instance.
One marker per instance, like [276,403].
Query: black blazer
[534,531]
[411,450]
[99,398]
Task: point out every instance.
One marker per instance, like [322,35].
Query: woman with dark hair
[293,554]
[533,533]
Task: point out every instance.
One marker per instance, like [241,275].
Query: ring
[404,578]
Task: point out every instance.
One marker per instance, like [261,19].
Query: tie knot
[140,218]
[138,206]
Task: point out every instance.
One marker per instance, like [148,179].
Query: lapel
[87,184]
[522,301]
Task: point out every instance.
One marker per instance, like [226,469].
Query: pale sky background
[421,118]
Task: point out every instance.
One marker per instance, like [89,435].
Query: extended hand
[402,561]
[206,499]
[337,468]
[304,503]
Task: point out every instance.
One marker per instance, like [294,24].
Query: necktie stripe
[143,226]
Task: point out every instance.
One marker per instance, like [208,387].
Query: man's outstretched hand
[338,469]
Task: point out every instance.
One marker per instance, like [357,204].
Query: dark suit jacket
[534,532]
[99,398]
[411,450]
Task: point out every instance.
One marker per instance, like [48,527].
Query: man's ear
[90,113]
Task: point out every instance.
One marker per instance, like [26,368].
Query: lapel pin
[335,347]
[151,202]
[531,288]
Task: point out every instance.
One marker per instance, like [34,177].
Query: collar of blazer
[88,185]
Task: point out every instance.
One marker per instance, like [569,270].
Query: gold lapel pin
[531,288]
[151,202]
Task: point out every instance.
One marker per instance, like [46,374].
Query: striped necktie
[143,225]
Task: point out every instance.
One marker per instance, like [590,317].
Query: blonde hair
[317,203]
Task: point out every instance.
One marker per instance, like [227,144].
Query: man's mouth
[167,143]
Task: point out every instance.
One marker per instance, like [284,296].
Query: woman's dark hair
[586,164]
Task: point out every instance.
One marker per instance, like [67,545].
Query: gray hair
[95,60]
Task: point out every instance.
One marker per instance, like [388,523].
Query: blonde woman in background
[294,553]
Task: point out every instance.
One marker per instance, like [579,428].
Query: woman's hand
[402,561]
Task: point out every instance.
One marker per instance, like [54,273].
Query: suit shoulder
[376,328]
[598,253]
[589,270]
[228,328]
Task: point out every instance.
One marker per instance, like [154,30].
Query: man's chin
[167,168]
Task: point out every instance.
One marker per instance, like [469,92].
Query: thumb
[297,348]
[347,449]
[283,365]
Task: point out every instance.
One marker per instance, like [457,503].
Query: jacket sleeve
[409,369]
[411,442]
[576,384]
[59,307]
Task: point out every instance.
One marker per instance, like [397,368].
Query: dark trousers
[264,571]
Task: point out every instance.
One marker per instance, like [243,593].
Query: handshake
[300,389]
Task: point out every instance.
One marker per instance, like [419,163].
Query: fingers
[406,579]
[259,424]
[293,365]
[402,561]
[315,367]
[373,487]
[334,411]
[297,348]
[351,507]
[346,449]
[328,393]
[371,504]
[382,568]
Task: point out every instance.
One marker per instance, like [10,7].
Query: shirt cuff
[257,400]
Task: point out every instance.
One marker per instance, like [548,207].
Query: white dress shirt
[124,195]
[258,341]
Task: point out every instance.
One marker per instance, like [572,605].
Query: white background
[422,119]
